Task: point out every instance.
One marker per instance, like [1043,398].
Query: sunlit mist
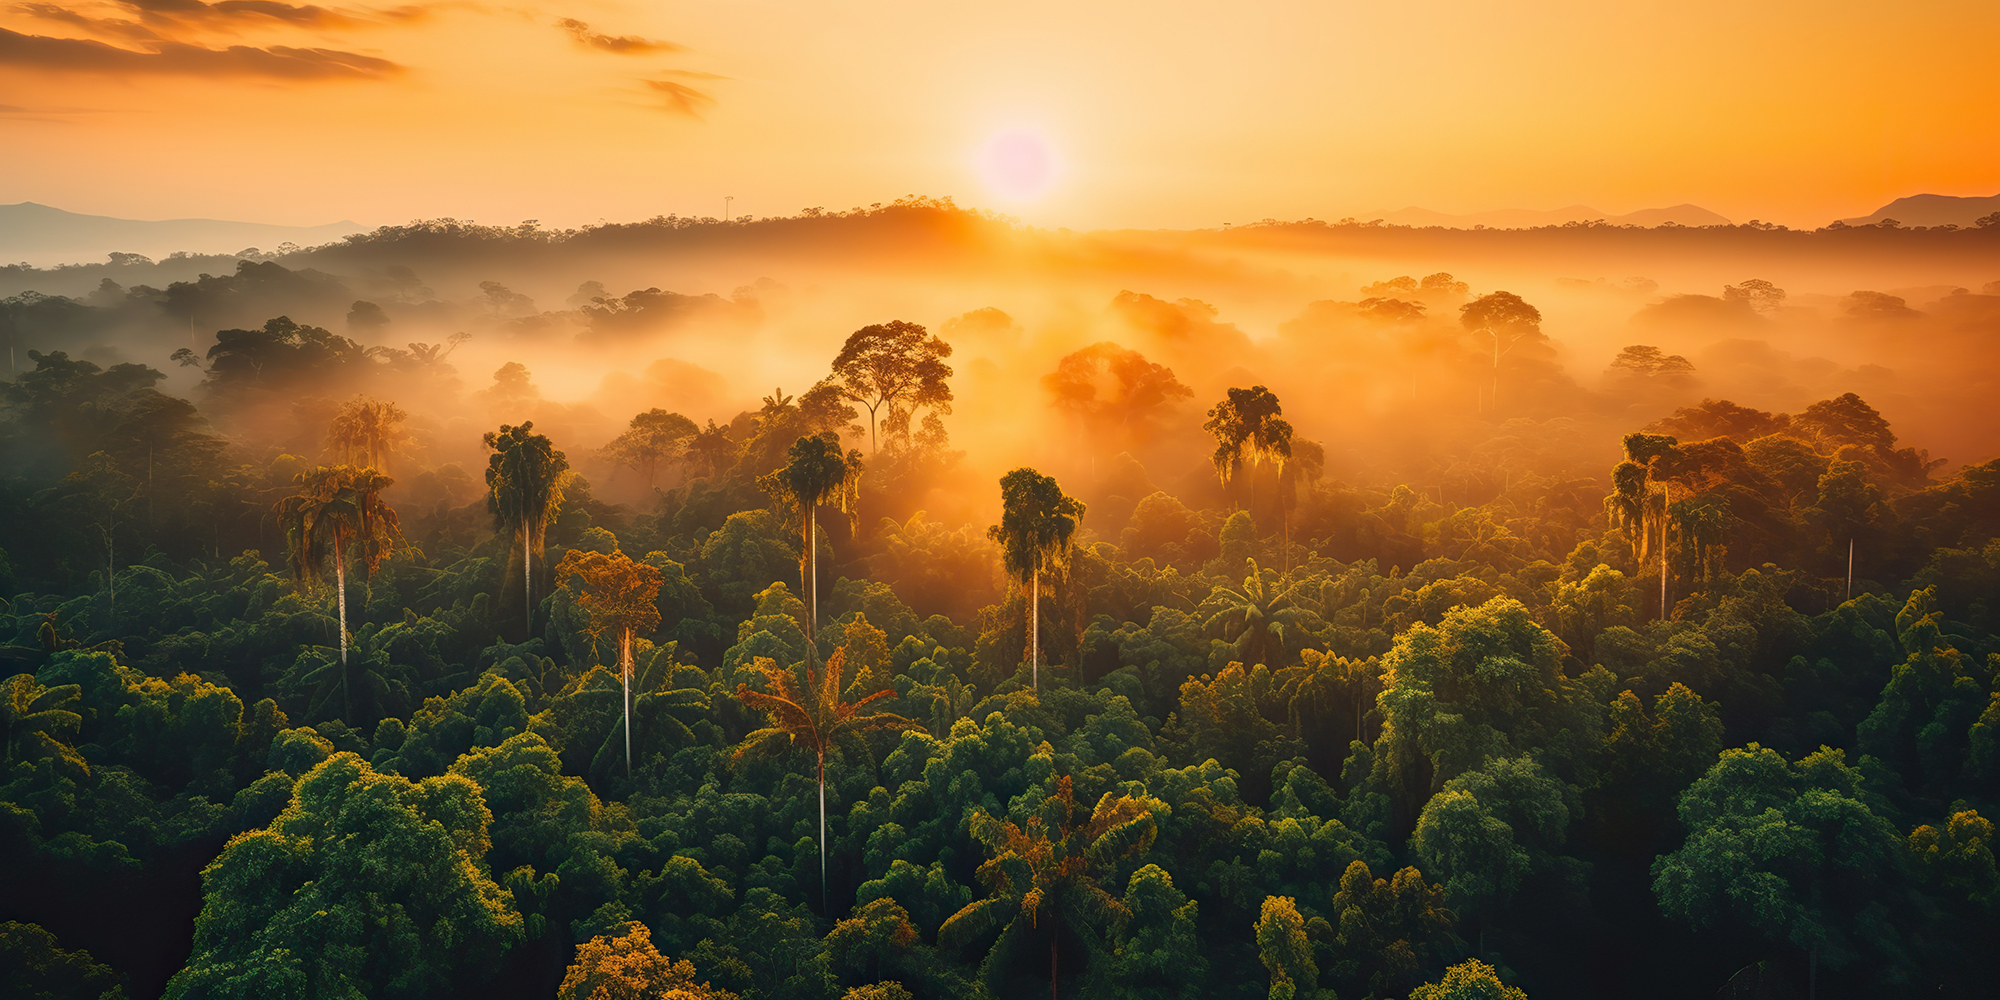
[1018,165]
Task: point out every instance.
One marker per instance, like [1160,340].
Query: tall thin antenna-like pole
[726,199]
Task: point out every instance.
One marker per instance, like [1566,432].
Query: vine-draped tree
[1640,500]
[525,476]
[1249,426]
[813,716]
[899,366]
[365,431]
[619,595]
[816,474]
[338,514]
[1037,530]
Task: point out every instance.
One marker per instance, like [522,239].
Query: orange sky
[1161,113]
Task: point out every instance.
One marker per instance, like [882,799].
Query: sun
[1018,164]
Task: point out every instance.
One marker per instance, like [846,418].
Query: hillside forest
[952,610]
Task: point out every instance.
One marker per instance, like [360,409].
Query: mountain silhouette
[1528,218]
[1932,210]
[46,235]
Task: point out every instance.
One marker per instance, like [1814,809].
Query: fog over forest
[1292,609]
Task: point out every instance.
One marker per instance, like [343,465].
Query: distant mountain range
[1931,210]
[42,235]
[1528,218]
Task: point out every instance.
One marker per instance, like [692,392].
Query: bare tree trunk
[625,672]
[1850,569]
[822,832]
[340,601]
[527,583]
[1035,632]
[1285,530]
[1663,564]
[812,561]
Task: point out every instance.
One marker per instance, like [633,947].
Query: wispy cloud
[52,116]
[234,12]
[167,18]
[682,99]
[282,62]
[111,26]
[624,45]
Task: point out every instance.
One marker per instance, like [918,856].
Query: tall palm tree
[812,716]
[816,474]
[41,721]
[620,597]
[1033,875]
[1037,529]
[1254,618]
[525,476]
[338,514]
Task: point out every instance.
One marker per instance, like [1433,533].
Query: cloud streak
[112,26]
[155,17]
[279,62]
[233,12]
[623,45]
[681,99]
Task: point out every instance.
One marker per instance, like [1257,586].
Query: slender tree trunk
[1496,371]
[1285,531]
[1663,568]
[812,561]
[1052,964]
[822,832]
[625,672]
[1850,569]
[527,583]
[1035,632]
[340,601]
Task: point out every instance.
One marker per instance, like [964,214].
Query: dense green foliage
[1337,741]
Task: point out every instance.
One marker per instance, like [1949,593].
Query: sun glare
[1017,164]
